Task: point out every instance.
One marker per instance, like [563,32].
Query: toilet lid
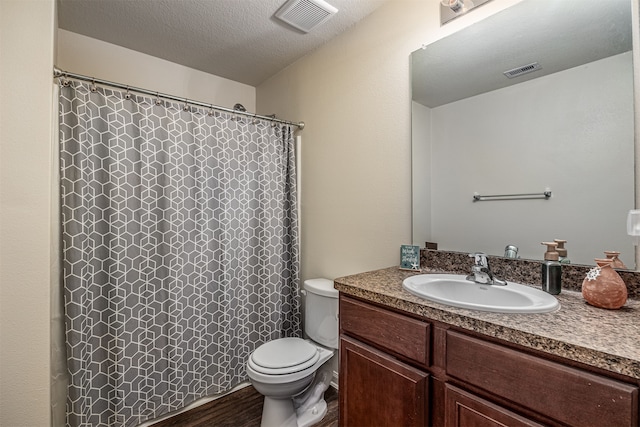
[284,353]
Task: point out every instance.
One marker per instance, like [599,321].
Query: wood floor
[242,408]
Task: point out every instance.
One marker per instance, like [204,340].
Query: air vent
[525,69]
[305,15]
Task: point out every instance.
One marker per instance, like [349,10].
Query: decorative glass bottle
[603,287]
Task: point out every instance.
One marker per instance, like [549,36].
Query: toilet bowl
[292,373]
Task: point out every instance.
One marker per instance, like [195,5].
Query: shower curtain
[180,250]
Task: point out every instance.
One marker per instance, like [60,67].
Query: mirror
[566,127]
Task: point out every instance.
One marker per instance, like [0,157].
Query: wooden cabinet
[379,390]
[404,370]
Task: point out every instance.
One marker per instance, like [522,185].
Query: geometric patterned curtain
[180,250]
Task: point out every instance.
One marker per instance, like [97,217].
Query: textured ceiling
[237,39]
[557,34]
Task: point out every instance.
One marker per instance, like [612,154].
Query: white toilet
[291,373]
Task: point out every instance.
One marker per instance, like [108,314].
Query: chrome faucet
[481,272]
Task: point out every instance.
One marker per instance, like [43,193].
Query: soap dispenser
[551,270]
[562,251]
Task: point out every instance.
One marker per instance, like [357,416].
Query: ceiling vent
[305,15]
[525,69]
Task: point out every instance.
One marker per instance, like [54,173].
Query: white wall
[354,94]
[420,173]
[635,35]
[546,132]
[27,33]
[91,57]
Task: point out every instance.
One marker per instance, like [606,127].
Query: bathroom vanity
[406,361]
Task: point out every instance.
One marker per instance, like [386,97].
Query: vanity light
[458,6]
[633,226]
[451,9]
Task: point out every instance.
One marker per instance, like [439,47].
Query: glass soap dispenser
[551,270]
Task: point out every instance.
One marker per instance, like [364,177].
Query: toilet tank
[321,312]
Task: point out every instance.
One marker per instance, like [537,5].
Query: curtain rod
[60,73]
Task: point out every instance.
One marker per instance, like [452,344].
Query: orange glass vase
[603,287]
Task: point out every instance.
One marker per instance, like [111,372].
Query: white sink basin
[456,291]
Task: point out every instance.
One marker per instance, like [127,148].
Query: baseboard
[193,405]
[334,380]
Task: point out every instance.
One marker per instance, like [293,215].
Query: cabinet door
[463,409]
[378,390]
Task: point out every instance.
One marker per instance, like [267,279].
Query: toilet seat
[284,356]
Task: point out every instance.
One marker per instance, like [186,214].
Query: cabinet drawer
[390,331]
[566,394]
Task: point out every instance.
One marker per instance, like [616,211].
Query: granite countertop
[607,339]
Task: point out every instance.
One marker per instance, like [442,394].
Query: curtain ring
[158,100]
[127,95]
[64,80]
[211,113]
[186,105]
[93,87]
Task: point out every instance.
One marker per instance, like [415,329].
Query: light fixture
[452,9]
[458,6]
[633,226]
